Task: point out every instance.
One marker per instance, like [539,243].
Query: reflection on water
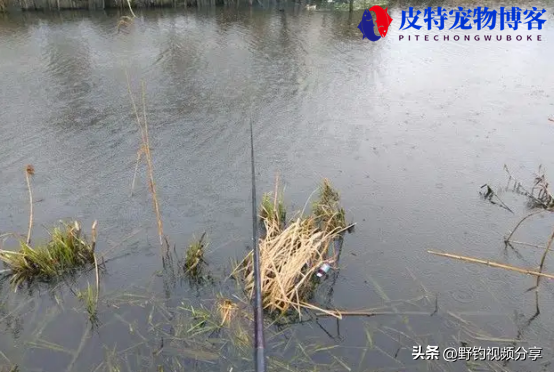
[408,131]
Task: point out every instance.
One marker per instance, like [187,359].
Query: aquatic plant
[291,255]
[194,258]
[539,196]
[227,310]
[327,210]
[29,171]
[145,150]
[541,200]
[66,251]
[273,206]
[288,260]
[90,299]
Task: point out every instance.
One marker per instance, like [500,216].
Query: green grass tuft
[195,258]
[67,251]
[327,209]
[89,298]
[273,209]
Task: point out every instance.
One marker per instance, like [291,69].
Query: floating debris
[323,270]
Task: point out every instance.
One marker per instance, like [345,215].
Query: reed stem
[493,264]
[29,171]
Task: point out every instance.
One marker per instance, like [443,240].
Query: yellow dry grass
[227,311]
[290,255]
[289,259]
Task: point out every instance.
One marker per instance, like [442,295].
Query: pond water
[406,130]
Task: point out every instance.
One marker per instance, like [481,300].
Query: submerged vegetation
[291,255]
[174,333]
[90,300]
[9,369]
[216,333]
[539,200]
[539,194]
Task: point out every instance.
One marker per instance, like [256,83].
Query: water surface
[407,131]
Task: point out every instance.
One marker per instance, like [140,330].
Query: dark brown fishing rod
[259,340]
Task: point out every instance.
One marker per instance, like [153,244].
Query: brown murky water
[407,130]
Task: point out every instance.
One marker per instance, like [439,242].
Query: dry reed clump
[291,255]
[66,251]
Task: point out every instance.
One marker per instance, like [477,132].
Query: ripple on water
[463,296]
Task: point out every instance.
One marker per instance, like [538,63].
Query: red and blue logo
[380,19]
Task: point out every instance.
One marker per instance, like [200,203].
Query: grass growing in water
[195,258]
[227,310]
[66,251]
[327,209]
[272,206]
[29,171]
[291,255]
[90,299]
[145,151]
